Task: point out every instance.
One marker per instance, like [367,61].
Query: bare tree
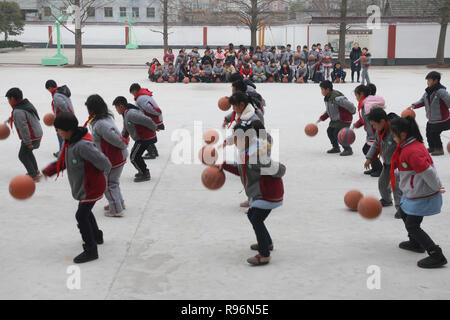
[169,7]
[342,31]
[81,10]
[443,7]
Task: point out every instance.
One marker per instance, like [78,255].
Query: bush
[10,44]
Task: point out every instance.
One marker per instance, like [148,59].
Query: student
[246,71]
[327,62]
[362,93]
[318,72]
[195,73]
[170,74]
[340,111]
[195,54]
[383,146]
[256,170]
[60,103]
[311,66]
[168,57]
[259,74]
[108,139]
[422,190]
[183,71]
[145,101]
[355,54]
[272,71]
[86,167]
[25,118]
[220,55]
[228,70]
[231,55]
[285,73]
[181,58]
[218,72]
[304,55]
[302,72]
[207,73]
[290,54]
[283,56]
[365,60]
[142,130]
[338,73]
[437,103]
[158,73]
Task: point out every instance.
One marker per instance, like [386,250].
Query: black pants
[376,163]
[136,155]
[87,223]
[358,72]
[152,150]
[257,217]
[434,131]
[26,156]
[415,233]
[333,136]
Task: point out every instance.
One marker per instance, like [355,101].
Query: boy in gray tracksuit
[87,168]
[259,74]
[365,66]
[340,111]
[217,71]
[272,71]
[383,146]
[25,118]
[142,130]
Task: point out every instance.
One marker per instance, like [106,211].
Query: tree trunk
[441,47]
[342,31]
[6,36]
[166,25]
[254,34]
[254,23]
[78,35]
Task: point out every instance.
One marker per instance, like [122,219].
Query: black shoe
[334,150]
[56,155]
[398,214]
[375,174]
[149,156]
[384,203]
[99,237]
[410,246]
[438,152]
[89,254]
[346,153]
[143,177]
[430,150]
[368,172]
[435,260]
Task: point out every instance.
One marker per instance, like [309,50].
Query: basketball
[408,112]
[172,80]
[327,58]
[22,187]
[194,80]
[369,207]
[271,80]
[213,178]
[186,80]
[285,80]
[346,136]
[300,80]
[218,80]
[210,136]
[364,59]
[311,57]
[338,80]
[224,104]
[297,55]
[208,155]
[448,147]
[4,131]
[160,80]
[352,199]
[311,130]
[49,119]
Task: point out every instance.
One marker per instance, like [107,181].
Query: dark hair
[15,93]
[362,89]
[318,44]
[365,49]
[434,75]
[239,97]
[96,105]
[66,121]
[377,114]
[50,84]
[407,125]
[120,101]
[305,47]
[372,89]
[236,77]
[240,86]
[327,84]
[135,87]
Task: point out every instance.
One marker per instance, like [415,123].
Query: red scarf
[12,112]
[143,92]
[89,120]
[53,94]
[380,140]
[360,106]
[244,170]
[61,160]
[395,157]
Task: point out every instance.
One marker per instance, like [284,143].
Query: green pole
[58,36]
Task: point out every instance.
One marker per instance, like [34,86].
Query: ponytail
[372,89]
[407,125]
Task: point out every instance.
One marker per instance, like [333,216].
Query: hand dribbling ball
[311,130]
[4,131]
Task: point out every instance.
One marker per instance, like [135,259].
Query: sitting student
[338,73]
[246,71]
[183,71]
[207,73]
[272,71]
[218,72]
[318,72]
[181,58]
[285,73]
[228,70]
[259,74]
[195,73]
[327,62]
[195,54]
[152,66]
[301,72]
[311,67]
[220,55]
[304,55]
[158,73]
[170,74]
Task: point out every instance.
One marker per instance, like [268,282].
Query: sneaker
[334,150]
[258,260]
[438,152]
[143,177]
[410,246]
[89,254]
[255,247]
[368,172]
[398,214]
[245,204]
[114,215]
[435,260]
[375,174]
[149,156]
[107,206]
[99,237]
[384,203]
[347,153]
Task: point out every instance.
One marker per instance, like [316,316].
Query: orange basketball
[22,187]
[208,155]
[224,104]
[285,80]
[408,112]
[311,130]
[369,207]
[448,147]
[49,118]
[186,80]
[312,57]
[172,79]
[300,80]
[218,80]
[271,80]
[194,80]
[210,136]
[297,55]
[160,80]
[4,131]
[338,80]
[213,178]
[352,199]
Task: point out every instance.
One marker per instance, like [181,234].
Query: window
[135,12]
[47,11]
[150,12]
[123,11]
[91,12]
[108,12]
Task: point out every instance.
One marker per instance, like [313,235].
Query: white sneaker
[114,215]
